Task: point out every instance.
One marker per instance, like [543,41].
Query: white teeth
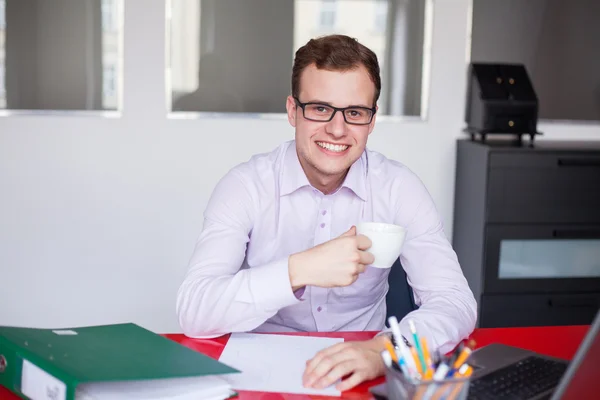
[333,147]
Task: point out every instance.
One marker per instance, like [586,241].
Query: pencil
[416,358]
[428,363]
[413,329]
[464,354]
[390,349]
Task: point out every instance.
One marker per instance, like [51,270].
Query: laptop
[507,372]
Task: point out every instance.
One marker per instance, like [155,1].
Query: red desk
[558,341]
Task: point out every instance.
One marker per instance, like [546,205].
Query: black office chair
[399,299]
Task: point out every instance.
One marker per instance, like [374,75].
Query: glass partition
[60,54]
[236,56]
[557,41]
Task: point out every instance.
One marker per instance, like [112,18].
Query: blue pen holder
[398,387]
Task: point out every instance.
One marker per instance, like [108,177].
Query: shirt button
[323,225]
[319,309]
[324,212]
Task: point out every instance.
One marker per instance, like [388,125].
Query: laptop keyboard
[525,379]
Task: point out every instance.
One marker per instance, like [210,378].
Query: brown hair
[335,53]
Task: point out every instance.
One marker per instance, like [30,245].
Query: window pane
[69,59]
[557,41]
[234,56]
[524,259]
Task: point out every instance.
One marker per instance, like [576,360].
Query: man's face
[327,149]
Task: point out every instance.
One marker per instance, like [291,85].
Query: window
[109,87]
[109,14]
[2,36]
[2,14]
[381,13]
[558,42]
[327,14]
[236,56]
[57,63]
[2,82]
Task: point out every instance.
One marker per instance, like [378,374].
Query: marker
[413,330]
[396,330]
[398,360]
[441,371]
[404,352]
[387,358]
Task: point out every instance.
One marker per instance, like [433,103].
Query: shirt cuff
[388,332]
[271,288]
[422,331]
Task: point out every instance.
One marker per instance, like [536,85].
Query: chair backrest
[399,299]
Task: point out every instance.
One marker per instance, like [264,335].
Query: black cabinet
[527,230]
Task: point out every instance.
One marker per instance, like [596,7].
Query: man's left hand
[360,361]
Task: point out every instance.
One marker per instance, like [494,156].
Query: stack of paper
[273,363]
[206,388]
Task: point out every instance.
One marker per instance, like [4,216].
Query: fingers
[366,258]
[322,363]
[347,384]
[349,232]
[337,372]
[363,242]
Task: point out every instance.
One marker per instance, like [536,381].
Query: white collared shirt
[264,210]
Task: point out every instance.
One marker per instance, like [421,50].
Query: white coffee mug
[386,241]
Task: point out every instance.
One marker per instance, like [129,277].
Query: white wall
[98,216]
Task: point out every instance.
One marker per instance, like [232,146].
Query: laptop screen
[582,378]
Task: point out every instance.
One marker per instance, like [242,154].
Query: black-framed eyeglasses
[319,112]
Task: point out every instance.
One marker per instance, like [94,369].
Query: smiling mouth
[335,148]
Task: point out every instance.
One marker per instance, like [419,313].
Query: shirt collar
[294,178]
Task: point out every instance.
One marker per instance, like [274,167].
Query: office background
[99,215]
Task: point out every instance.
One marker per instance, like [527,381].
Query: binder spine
[10,367]
[12,361]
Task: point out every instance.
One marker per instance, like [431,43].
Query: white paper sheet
[273,363]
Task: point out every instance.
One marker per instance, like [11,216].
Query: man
[279,251]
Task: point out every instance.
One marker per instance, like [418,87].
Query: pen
[404,352]
[462,356]
[454,355]
[413,330]
[398,360]
[396,331]
[430,367]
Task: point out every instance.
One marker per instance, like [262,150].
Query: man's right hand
[335,263]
